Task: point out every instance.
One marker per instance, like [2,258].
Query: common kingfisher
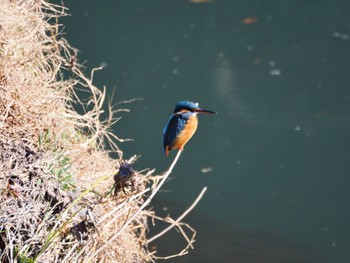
[181,125]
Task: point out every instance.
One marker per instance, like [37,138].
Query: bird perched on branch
[181,125]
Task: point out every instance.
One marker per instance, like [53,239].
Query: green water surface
[275,158]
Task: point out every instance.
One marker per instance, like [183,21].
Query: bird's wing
[173,128]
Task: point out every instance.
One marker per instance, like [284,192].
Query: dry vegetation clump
[62,198]
[56,179]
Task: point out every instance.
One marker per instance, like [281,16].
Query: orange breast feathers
[187,132]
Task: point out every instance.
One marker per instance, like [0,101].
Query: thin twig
[180,217]
[121,205]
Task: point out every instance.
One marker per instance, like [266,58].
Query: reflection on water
[224,81]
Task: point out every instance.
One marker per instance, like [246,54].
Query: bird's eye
[197,104]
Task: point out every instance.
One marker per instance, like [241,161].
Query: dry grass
[56,178]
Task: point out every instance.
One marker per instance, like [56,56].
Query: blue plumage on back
[174,127]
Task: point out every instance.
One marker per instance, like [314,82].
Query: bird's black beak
[199,110]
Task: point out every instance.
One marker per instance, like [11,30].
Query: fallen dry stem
[178,220]
[123,204]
